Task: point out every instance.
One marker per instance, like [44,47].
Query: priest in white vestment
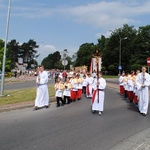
[143,83]
[42,98]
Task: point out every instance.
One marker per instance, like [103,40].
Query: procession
[75,86]
[72,87]
[74,75]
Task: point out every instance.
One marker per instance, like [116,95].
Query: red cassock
[135,99]
[130,95]
[73,95]
[79,93]
[87,90]
[121,89]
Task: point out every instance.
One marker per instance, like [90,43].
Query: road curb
[6,108]
[23,105]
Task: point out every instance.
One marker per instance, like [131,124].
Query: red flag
[91,66]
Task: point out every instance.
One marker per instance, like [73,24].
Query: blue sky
[66,24]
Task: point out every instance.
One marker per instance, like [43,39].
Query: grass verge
[22,95]
[108,76]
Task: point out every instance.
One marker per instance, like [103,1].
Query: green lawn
[109,76]
[27,94]
[22,95]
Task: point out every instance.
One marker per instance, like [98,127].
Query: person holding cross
[99,94]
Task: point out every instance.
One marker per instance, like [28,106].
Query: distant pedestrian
[56,75]
[15,73]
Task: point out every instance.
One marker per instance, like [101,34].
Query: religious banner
[100,63]
[94,64]
[96,61]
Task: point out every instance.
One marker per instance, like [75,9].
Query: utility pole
[4,55]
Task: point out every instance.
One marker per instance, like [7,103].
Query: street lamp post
[120,51]
[34,62]
[5,46]
[120,39]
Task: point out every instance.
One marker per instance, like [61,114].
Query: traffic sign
[64,62]
[120,67]
[148,61]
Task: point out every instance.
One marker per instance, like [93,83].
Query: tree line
[135,49]
[27,51]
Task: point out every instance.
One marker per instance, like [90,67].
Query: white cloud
[102,14]
[44,51]
[105,14]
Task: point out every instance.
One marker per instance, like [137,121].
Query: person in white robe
[42,97]
[121,83]
[89,87]
[59,87]
[98,95]
[125,85]
[143,83]
[84,84]
[67,91]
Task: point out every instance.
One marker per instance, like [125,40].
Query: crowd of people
[135,87]
[70,87]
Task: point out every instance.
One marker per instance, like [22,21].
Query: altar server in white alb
[89,89]
[98,95]
[121,78]
[42,98]
[143,83]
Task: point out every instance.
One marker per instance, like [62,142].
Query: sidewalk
[22,78]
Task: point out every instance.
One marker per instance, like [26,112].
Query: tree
[126,35]
[13,52]
[84,54]
[28,50]
[52,61]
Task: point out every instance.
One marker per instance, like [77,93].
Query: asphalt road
[29,84]
[71,127]
[20,85]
